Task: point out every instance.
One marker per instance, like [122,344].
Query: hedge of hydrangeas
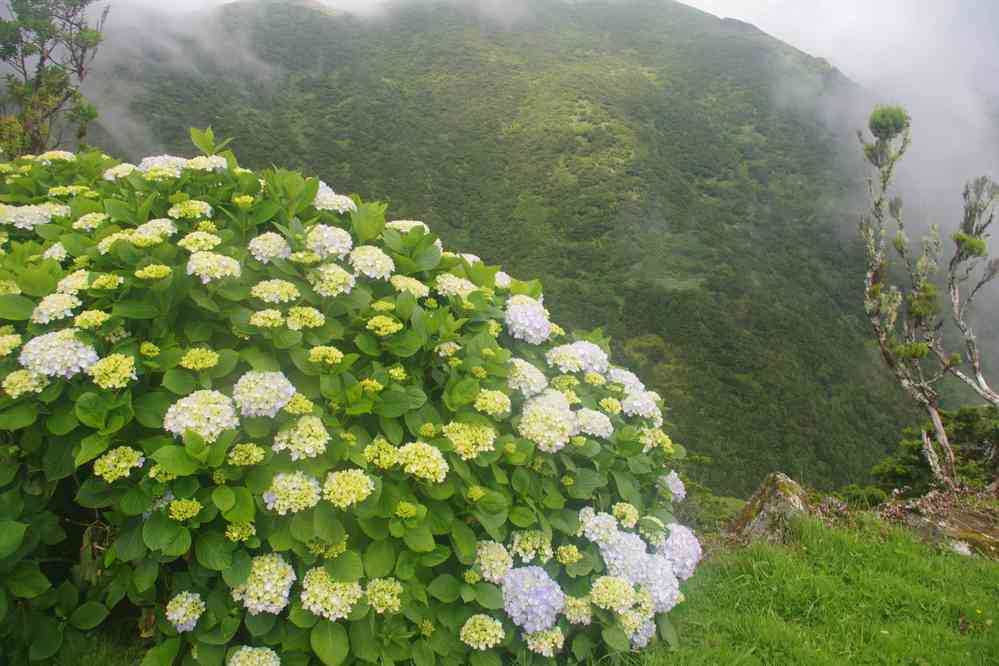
[250,415]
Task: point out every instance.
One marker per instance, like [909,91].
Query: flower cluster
[347,488]
[423,461]
[254,656]
[493,560]
[383,595]
[118,463]
[532,599]
[291,492]
[207,413]
[267,587]
[184,610]
[307,438]
[548,421]
[481,632]
[262,393]
[371,262]
[470,439]
[327,598]
[113,372]
[526,378]
[527,320]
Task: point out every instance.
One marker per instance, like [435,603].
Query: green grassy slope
[834,596]
[640,158]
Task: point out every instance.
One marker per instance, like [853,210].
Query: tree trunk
[945,471]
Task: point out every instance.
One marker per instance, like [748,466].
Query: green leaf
[27,581]
[135,309]
[151,407]
[347,568]
[368,221]
[329,642]
[11,537]
[181,382]
[419,539]
[666,630]
[244,509]
[90,448]
[379,558]
[582,647]
[163,654]
[521,516]
[239,571]
[175,460]
[159,531]
[489,596]
[14,307]
[92,410]
[445,588]
[204,140]
[464,542]
[18,417]
[88,615]
[616,639]
[213,551]
[63,421]
[224,498]
[145,574]
[259,624]
[462,392]
[489,658]
[48,638]
[364,642]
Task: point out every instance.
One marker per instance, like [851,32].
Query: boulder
[767,513]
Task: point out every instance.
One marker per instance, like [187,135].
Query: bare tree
[906,316]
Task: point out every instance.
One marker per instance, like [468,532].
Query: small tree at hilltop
[47,46]
[907,318]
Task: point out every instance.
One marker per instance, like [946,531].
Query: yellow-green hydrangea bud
[89,319]
[568,481]
[113,371]
[149,350]
[207,226]
[299,405]
[9,288]
[383,595]
[568,554]
[428,430]
[472,576]
[426,628]
[348,487]
[626,513]
[239,531]
[430,303]
[479,372]
[381,454]
[8,343]
[305,258]
[611,405]
[107,281]
[454,362]
[557,331]
[153,272]
[269,318]
[383,306]
[495,328]
[578,441]
[493,403]
[304,317]
[475,493]
[117,463]
[219,478]
[510,448]
[329,551]
[348,438]
[157,473]
[405,510]
[184,509]
[325,355]
[19,382]
[594,379]
[383,326]
[564,382]
[398,373]
[371,385]
[243,201]
[246,454]
[199,358]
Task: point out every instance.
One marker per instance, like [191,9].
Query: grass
[869,594]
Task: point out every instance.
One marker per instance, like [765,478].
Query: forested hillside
[656,167]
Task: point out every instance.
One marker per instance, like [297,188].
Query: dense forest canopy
[654,166]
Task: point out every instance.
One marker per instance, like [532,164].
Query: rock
[950,521]
[768,512]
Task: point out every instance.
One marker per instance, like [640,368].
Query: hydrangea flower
[672,484]
[199,241]
[447,284]
[481,632]
[527,320]
[594,423]
[371,262]
[207,163]
[626,378]
[113,372]
[57,354]
[409,285]
[291,492]
[383,595]
[643,404]
[269,246]
[184,610]
[207,413]
[578,610]
[470,439]
[262,393]
[546,643]
[29,217]
[162,165]
[267,588]
[525,378]
[423,461]
[493,403]
[209,267]
[19,382]
[346,488]
[118,463]
[531,598]
[330,281]
[254,656]
[493,560]
[327,241]
[323,596]
[307,438]
[612,593]
[548,421]
[682,549]
[54,307]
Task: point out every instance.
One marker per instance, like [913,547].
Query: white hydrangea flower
[90,221]
[405,226]
[330,281]
[54,307]
[207,413]
[325,597]
[269,246]
[267,588]
[209,266]
[410,285]
[493,560]
[525,378]
[56,251]
[643,404]
[327,199]
[262,393]
[207,163]
[292,492]
[184,609]
[254,656]
[327,241]
[594,423]
[371,262]
[452,285]
[307,438]
[122,170]
[527,320]
[57,354]
[73,283]
[29,217]
[165,164]
[503,280]
[548,421]
[682,549]
[627,378]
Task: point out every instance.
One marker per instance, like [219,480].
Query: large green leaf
[15,307]
[88,615]
[175,460]
[329,642]
[11,536]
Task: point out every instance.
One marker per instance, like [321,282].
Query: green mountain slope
[641,158]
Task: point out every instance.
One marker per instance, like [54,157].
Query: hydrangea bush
[248,415]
